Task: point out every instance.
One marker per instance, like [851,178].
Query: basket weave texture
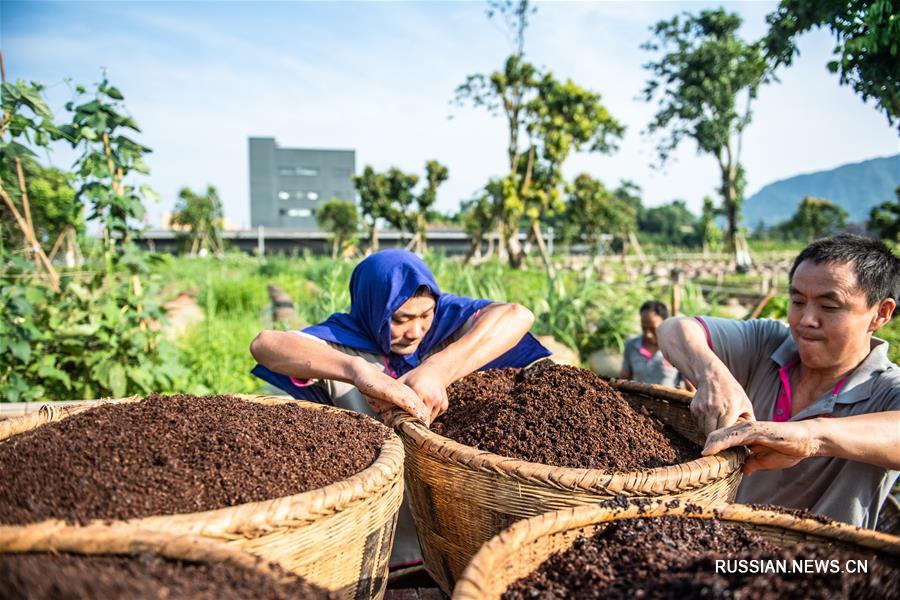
[338,537]
[461,496]
[55,537]
[519,550]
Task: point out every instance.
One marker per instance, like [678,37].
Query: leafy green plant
[87,341]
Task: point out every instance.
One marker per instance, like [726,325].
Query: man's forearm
[683,343]
[298,356]
[872,438]
[499,328]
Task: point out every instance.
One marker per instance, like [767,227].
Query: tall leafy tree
[670,223]
[867,35]
[508,92]
[200,215]
[562,118]
[704,83]
[547,120]
[400,192]
[341,220]
[435,175]
[815,218]
[710,233]
[54,210]
[884,219]
[593,212]
[374,201]
[478,216]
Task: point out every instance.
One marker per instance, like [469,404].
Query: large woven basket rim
[286,511]
[712,468]
[98,538]
[483,564]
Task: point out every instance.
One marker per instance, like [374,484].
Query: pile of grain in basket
[676,557]
[558,415]
[77,577]
[178,454]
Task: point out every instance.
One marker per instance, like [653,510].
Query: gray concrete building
[287,185]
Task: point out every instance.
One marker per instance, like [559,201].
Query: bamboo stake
[24,193]
[39,252]
[58,244]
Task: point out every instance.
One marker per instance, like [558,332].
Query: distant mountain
[856,187]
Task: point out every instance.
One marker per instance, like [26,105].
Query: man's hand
[382,391]
[773,445]
[428,382]
[720,401]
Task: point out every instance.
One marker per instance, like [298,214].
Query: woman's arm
[499,328]
[305,358]
[872,438]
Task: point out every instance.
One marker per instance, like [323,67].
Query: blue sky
[378,77]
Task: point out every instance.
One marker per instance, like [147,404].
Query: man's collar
[859,383]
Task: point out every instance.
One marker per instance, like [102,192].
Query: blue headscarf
[380,285]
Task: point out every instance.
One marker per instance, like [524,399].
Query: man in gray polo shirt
[816,401]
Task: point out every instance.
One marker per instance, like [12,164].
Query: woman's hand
[429,384]
[383,391]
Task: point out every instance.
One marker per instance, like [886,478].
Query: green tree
[884,219]
[57,217]
[705,83]
[709,231]
[341,220]
[374,201]
[670,223]
[478,216]
[562,118]
[201,216]
[593,213]
[867,34]
[556,119]
[400,192]
[508,92]
[435,175]
[815,218]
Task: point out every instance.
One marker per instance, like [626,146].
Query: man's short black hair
[877,268]
[657,307]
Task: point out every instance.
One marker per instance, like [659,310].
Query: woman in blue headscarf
[402,343]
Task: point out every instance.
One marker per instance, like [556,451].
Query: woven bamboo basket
[461,497]
[889,519]
[519,550]
[56,538]
[338,537]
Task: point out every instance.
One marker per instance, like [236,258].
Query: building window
[307,171]
[283,195]
[342,172]
[312,195]
[295,212]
